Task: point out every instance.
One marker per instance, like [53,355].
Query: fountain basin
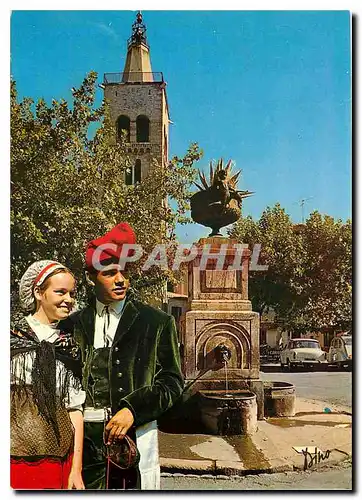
[279,399]
[228,414]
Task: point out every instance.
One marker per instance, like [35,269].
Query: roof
[172,295]
[305,338]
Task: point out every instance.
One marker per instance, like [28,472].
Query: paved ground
[336,478]
[332,386]
[270,449]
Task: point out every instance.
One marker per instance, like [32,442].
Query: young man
[131,369]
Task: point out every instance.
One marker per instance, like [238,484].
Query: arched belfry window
[123,127]
[133,173]
[142,128]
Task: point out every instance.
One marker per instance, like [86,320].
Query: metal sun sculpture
[218,203]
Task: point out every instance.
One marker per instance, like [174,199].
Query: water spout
[222,354]
[226,379]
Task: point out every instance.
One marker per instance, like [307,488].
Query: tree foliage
[67,188]
[308,282]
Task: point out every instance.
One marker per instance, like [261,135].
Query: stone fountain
[220,335]
[220,331]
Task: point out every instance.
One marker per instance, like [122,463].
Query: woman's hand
[75,481]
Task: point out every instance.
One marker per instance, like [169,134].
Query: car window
[310,344]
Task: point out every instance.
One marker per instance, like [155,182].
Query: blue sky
[269,89]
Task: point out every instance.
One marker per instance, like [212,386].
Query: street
[332,386]
[335,478]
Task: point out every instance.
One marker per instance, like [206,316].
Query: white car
[302,352]
[340,351]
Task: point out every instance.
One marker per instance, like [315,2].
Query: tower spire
[138,63]
[138,31]
[138,106]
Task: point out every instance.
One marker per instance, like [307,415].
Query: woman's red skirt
[47,473]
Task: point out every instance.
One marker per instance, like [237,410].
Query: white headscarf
[34,276]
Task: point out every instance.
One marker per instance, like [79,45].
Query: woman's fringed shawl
[49,389]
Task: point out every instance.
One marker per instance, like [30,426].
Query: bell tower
[138,106]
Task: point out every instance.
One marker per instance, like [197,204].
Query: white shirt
[50,334]
[115,312]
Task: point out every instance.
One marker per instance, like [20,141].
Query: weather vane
[138,30]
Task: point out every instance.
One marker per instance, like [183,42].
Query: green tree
[275,287]
[327,279]
[308,280]
[67,188]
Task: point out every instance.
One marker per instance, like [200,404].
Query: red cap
[119,235]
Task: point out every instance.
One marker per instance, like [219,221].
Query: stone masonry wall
[142,99]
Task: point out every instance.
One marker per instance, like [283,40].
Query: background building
[138,107]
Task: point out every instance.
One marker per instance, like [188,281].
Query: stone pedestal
[220,314]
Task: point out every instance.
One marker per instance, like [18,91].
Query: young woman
[46,394]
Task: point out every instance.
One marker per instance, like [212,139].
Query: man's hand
[118,426]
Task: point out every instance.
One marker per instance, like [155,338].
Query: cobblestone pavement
[332,478]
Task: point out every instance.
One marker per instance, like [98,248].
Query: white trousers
[149,466]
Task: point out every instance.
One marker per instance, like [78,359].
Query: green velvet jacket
[144,362]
